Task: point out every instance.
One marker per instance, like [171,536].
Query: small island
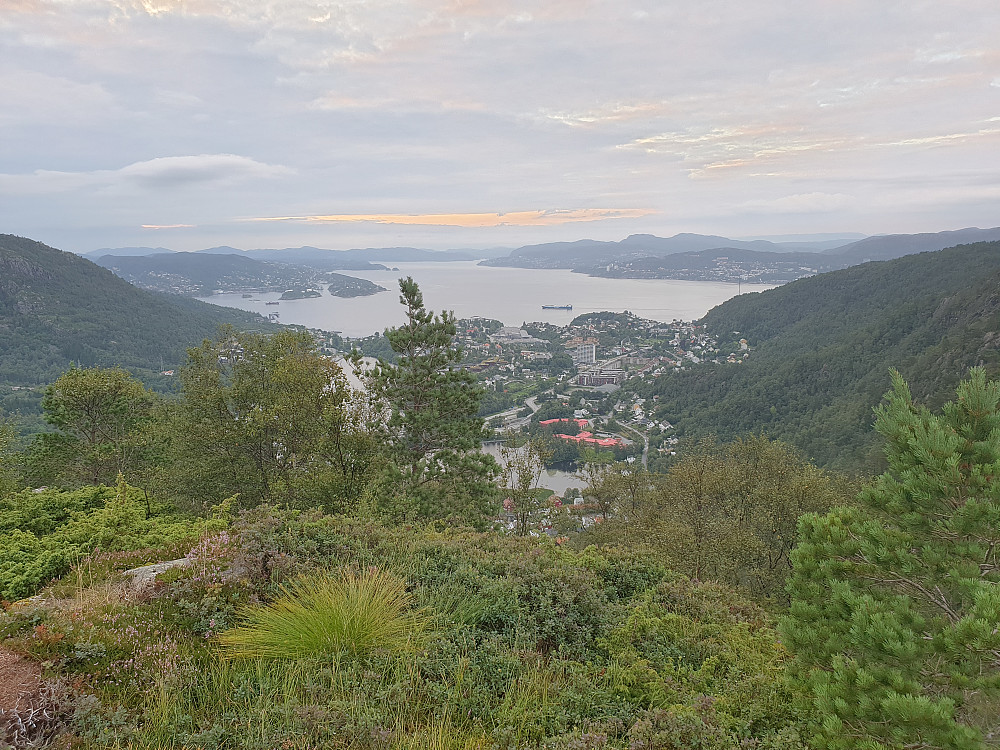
[300,293]
[349,286]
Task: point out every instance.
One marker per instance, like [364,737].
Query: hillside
[729,264]
[582,255]
[714,258]
[821,349]
[358,258]
[889,246]
[57,308]
[202,274]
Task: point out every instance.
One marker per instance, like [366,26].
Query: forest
[347,569]
[822,348]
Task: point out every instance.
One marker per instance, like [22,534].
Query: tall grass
[330,614]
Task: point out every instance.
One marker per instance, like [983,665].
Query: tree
[729,512]
[267,417]
[101,415]
[522,464]
[8,458]
[623,491]
[434,430]
[895,602]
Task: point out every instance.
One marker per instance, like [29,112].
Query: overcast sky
[459,123]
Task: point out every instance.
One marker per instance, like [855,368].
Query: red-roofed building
[588,437]
[581,423]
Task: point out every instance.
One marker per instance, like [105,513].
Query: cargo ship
[557,307]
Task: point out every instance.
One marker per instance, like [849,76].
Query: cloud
[45,97]
[166,172]
[168,226]
[477,220]
[802,203]
[173,171]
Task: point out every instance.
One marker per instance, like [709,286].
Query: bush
[42,534]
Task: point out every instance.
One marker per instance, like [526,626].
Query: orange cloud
[512,219]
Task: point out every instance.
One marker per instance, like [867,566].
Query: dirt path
[18,677]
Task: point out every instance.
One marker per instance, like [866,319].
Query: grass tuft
[330,614]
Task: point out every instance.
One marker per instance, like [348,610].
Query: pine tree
[896,601]
[434,429]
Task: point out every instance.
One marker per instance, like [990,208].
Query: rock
[143,576]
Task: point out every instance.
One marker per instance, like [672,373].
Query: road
[645,440]
[521,422]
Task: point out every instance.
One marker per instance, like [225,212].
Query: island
[300,293]
[350,286]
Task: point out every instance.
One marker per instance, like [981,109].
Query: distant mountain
[313,257]
[126,251]
[694,256]
[889,246]
[58,307]
[201,274]
[727,264]
[821,349]
[586,256]
[358,259]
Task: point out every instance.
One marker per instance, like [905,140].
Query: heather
[509,643]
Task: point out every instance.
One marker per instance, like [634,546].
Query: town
[576,385]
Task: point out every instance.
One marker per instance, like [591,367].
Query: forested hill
[57,308]
[821,349]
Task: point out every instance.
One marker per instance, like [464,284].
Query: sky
[459,123]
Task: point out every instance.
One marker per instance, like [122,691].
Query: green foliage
[9,458]
[722,512]
[42,534]
[820,346]
[434,430]
[329,615]
[268,418]
[522,463]
[680,644]
[895,602]
[527,645]
[101,415]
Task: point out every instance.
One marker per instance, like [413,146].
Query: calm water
[551,479]
[512,295]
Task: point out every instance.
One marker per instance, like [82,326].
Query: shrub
[60,528]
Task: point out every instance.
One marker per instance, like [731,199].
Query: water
[551,479]
[511,295]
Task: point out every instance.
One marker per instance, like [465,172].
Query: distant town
[575,383]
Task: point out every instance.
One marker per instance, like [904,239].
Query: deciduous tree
[522,462]
[269,418]
[101,415]
[729,512]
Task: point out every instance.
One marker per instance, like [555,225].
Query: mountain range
[710,257]
[362,259]
[202,274]
[682,256]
